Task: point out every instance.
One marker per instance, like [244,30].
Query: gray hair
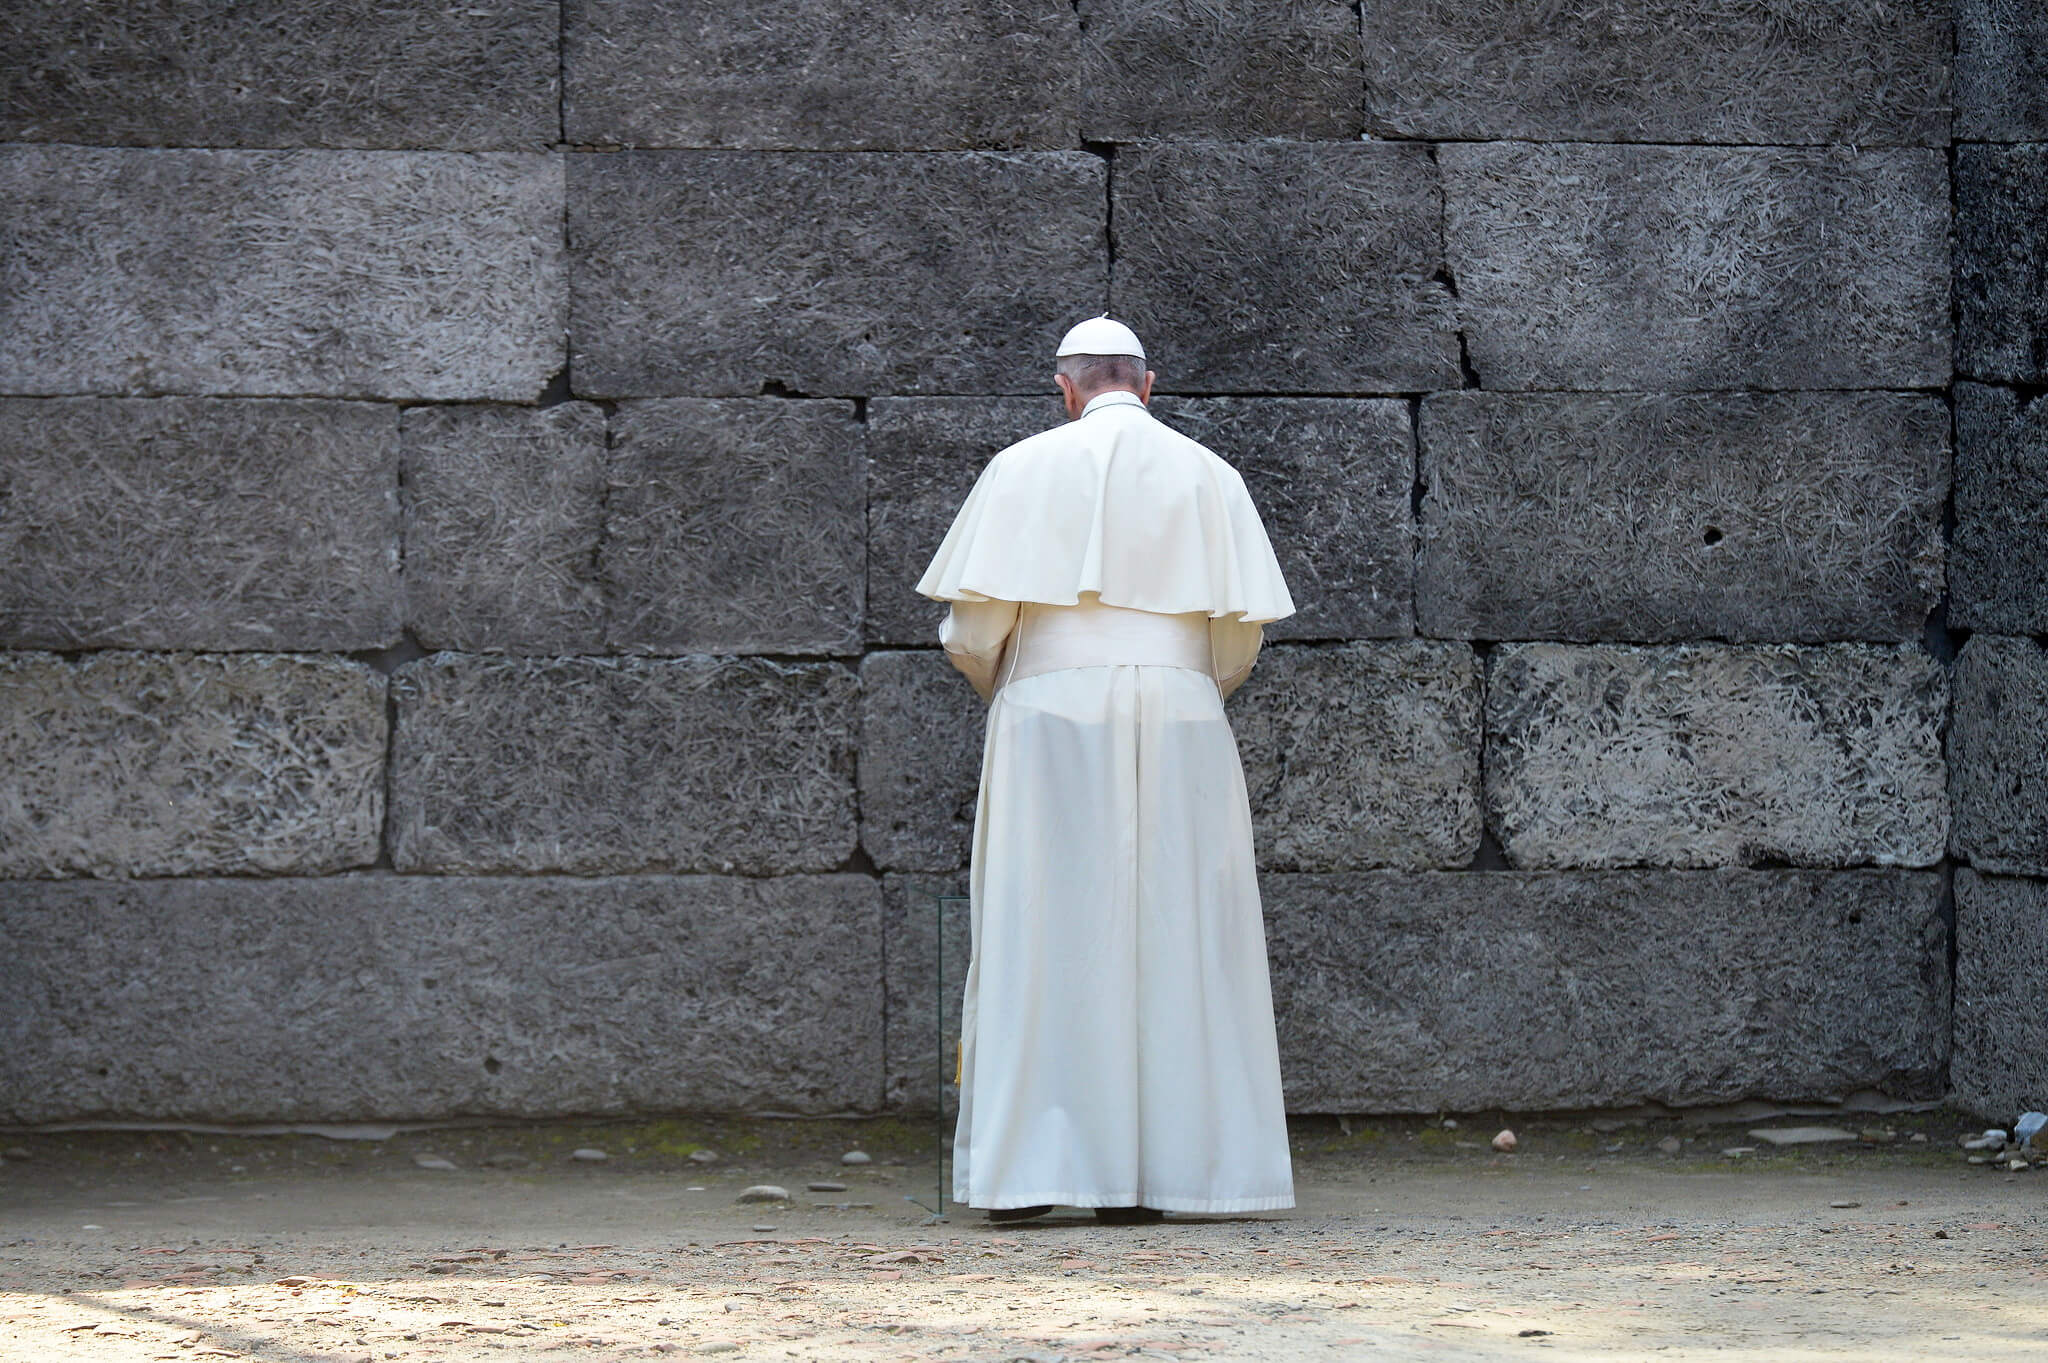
[1095,373]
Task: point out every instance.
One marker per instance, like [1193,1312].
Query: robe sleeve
[1233,648]
[974,635]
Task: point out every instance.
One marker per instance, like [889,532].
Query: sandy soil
[1410,1241]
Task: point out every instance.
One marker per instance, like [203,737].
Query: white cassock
[1108,579]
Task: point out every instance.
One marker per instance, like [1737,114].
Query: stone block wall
[462,473]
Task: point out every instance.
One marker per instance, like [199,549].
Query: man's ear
[1068,395]
[1145,388]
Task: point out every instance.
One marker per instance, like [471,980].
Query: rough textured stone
[2001,70]
[1998,755]
[712,273]
[202,1000]
[927,923]
[1421,993]
[597,765]
[1234,69]
[140,764]
[1362,755]
[1715,754]
[920,761]
[1660,71]
[1333,479]
[1285,267]
[1658,516]
[343,273]
[196,523]
[1695,267]
[735,527]
[504,508]
[2002,262]
[2000,1067]
[798,73]
[1998,572]
[323,73]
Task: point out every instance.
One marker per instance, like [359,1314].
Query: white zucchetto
[1101,336]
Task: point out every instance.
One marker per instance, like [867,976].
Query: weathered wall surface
[462,473]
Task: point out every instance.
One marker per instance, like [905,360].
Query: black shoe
[1002,1214]
[1128,1216]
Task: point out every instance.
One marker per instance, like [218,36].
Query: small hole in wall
[103,1071]
[431,983]
[1856,917]
[492,1064]
[1712,534]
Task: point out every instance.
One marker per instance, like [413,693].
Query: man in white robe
[1108,580]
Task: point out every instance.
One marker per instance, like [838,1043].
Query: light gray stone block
[1660,71]
[1998,755]
[141,764]
[909,74]
[923,457]
[1432,992]
[920,761]
[1229,70]
[1362,754]
[2001,71]
[721,273]
[929,925]
[198,523]
[432,997]
[1715,754]
[601,765]
[1285,267]
[1700,267]
[504,510]
[735,527]
[322,73]
[1333,479]
[2000,1067]
[1998,572]
[1662,516]
[426,275]
[2002,262]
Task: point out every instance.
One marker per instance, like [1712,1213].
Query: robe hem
[1164,1204]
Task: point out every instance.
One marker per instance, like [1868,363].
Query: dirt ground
[1411,1240]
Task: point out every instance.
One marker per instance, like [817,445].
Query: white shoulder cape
[1118,504]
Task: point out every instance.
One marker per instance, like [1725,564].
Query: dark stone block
[414,275]
[539,996]
[2000,1067]
[600,765]
[198,523]
[1998,757]
[928,925]
[504,508]
[1700,267]
[920,761]
[735,527]
[940,74]
[1998,572]
[1432,992]
[706,272]
[2002,262]
[1660,516]
[2001,72]
[1845,71]
[1285,267]
[316,73]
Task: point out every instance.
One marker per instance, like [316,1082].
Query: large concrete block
[1362,755]
[430,997]
[1998,755]
[198,523]
[1700,267]
[504,510]
[906,74]
[2002,262]
[920,761]
[2000,1066]
[927,942]
[1421,993]
[1660,71]
[1659,516]
[141,764]
[358,73]
[1715,754]
[716,273]
[2001,71]
[1998,574]
[1333,479]
[599,765]
[343,273]
[1235,69]
[735,527]
[1285,267]
[923,457]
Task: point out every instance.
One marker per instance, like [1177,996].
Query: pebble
[855,1157]
[764,1228]
[589,1152]
[432,1162]
[2015,1165]
[1800,1135]
[1844,1206]
[1990,1140]
[718,1346]
[1738,1151]
[1505,1142]
[704,1156]
[1671,1145]
[764,1192]
[825,1186]
[16,1152]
